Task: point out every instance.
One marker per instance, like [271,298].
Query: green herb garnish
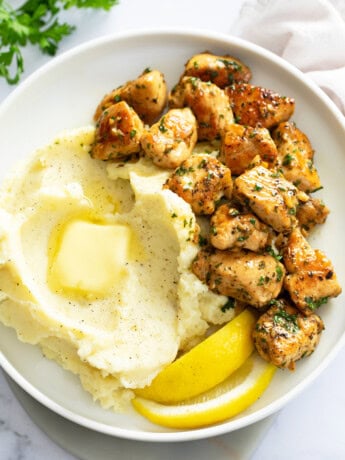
[35,22]
[285,320]
[313,304]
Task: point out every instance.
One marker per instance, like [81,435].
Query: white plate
[63,94]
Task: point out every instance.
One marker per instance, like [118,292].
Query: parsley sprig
[35,22]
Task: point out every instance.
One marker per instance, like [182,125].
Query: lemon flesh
[226,400]
[205,365]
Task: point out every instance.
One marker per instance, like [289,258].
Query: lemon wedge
[205,365]
[226,400]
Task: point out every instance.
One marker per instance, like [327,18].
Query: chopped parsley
[257,187]
[233,64]
[279,272]
[233,212]
[202,240]
[313,304]
[229,304]
[161,126]
[182,170]
[274,254]
[263,280]
[284,319]
[287,160]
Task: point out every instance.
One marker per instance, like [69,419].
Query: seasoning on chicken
[270,196]
[312,212]
[220,70]
[202,181]
[232,229]
[147,95]
[209,104]
[241,144]
[249,277]
[118,133]
[256,106]
[295,155]
[311,280]
[171,140]
[283,335]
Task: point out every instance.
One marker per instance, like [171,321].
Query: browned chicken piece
[171,140]
[220,70]
[270,196]
[209,104]
[311,280]
[202,181]
[295,155]
[257,106]
[118,133]
[249,277]
[232,229]
[240,144]
[147,95]
[283,335]
[312,212]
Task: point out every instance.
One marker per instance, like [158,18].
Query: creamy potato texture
[95,267]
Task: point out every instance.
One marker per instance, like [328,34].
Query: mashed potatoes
[95,267]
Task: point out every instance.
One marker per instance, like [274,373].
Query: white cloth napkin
[308,33]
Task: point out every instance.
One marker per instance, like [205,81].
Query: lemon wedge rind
[226,400]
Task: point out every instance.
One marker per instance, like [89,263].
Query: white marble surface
[310,427]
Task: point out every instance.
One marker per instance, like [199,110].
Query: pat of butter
[91,257]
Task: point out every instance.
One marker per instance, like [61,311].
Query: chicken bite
[232,229]
[256,106]
[202,181]
[171,140]
[147,94]
[220,70]
[270,196]
[240,144]
[209,104]
[246,276]
[118,133]
[283,335]
[311,280]
[311,213]
[295,155]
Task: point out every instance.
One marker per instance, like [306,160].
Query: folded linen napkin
[308,33]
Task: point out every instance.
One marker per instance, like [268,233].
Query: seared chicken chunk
[311,280]
[312,212]
[201,180]
[171,140]
[209,104]
[270,196]
[147,95]
[118,133]
[283,335]
[241,144]
[249,277]
[220,70]
[295,155]
[232,229]
[257,106]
